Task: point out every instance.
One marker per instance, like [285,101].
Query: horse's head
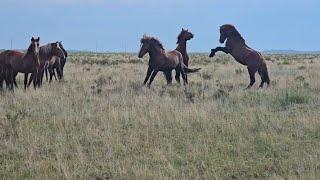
[62,48]
[57,51]
[229,31]
[225,32]
[149,44]
[185,35]
[35,46]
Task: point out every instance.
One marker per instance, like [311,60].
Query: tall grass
[101,123]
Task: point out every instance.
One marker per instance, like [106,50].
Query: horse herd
[36,61]
[178,59]
[52,57]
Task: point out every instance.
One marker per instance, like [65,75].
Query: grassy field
[101,123]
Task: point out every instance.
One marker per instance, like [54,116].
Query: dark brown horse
[46,54]
[184,36]
[242,53]
[160,60]
[22,62]
[5,70]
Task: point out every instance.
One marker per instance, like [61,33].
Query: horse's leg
[25,80]
[59,72]
[178,75]
[154,73]
[223,49]
[1,79]
[34,78]
[252,71]
[15,79]
[46,71]
[168,75]
[30,80]
[263,78]
[10,79]
[54,73]
[187,64]
[51,75]
[148,75]
[41,77]
[184,77]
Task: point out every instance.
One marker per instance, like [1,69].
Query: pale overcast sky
[118,25]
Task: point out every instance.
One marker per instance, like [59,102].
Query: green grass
[101,123]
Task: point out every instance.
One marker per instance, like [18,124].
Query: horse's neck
[182,47]
[156,54]
[30,59]
[235,43]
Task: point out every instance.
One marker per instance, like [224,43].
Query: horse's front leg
[25,80]
[148,75]
[223,49]
[34,79]
[154,73]
[30,80]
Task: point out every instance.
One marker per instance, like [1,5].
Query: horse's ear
[38,39]
[32,39]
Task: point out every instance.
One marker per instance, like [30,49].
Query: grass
[101,123]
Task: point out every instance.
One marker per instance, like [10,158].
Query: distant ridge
[289,52]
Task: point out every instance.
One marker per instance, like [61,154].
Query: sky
[118,25]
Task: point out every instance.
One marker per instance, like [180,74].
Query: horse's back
[10,55]
[174,54]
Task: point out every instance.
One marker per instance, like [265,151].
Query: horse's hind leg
[168,75]
[252,71]
[177,77]
[263,77]
[51,74]
[26,80]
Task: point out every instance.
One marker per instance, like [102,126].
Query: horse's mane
[152,40]
[234,33]
[179,37]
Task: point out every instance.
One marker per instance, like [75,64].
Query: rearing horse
[183,37]
[160,60]
[242,53]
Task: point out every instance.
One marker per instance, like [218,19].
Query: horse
[160,60]
[242,53]
[56,65]
[5,70]
[46,53]
[22,62]
[183,37]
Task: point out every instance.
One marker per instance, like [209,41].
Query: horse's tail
[264,72]
[188,70]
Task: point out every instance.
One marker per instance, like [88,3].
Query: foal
[56,65]
[184,36]
[160,60]
[46,54]
[242,53]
